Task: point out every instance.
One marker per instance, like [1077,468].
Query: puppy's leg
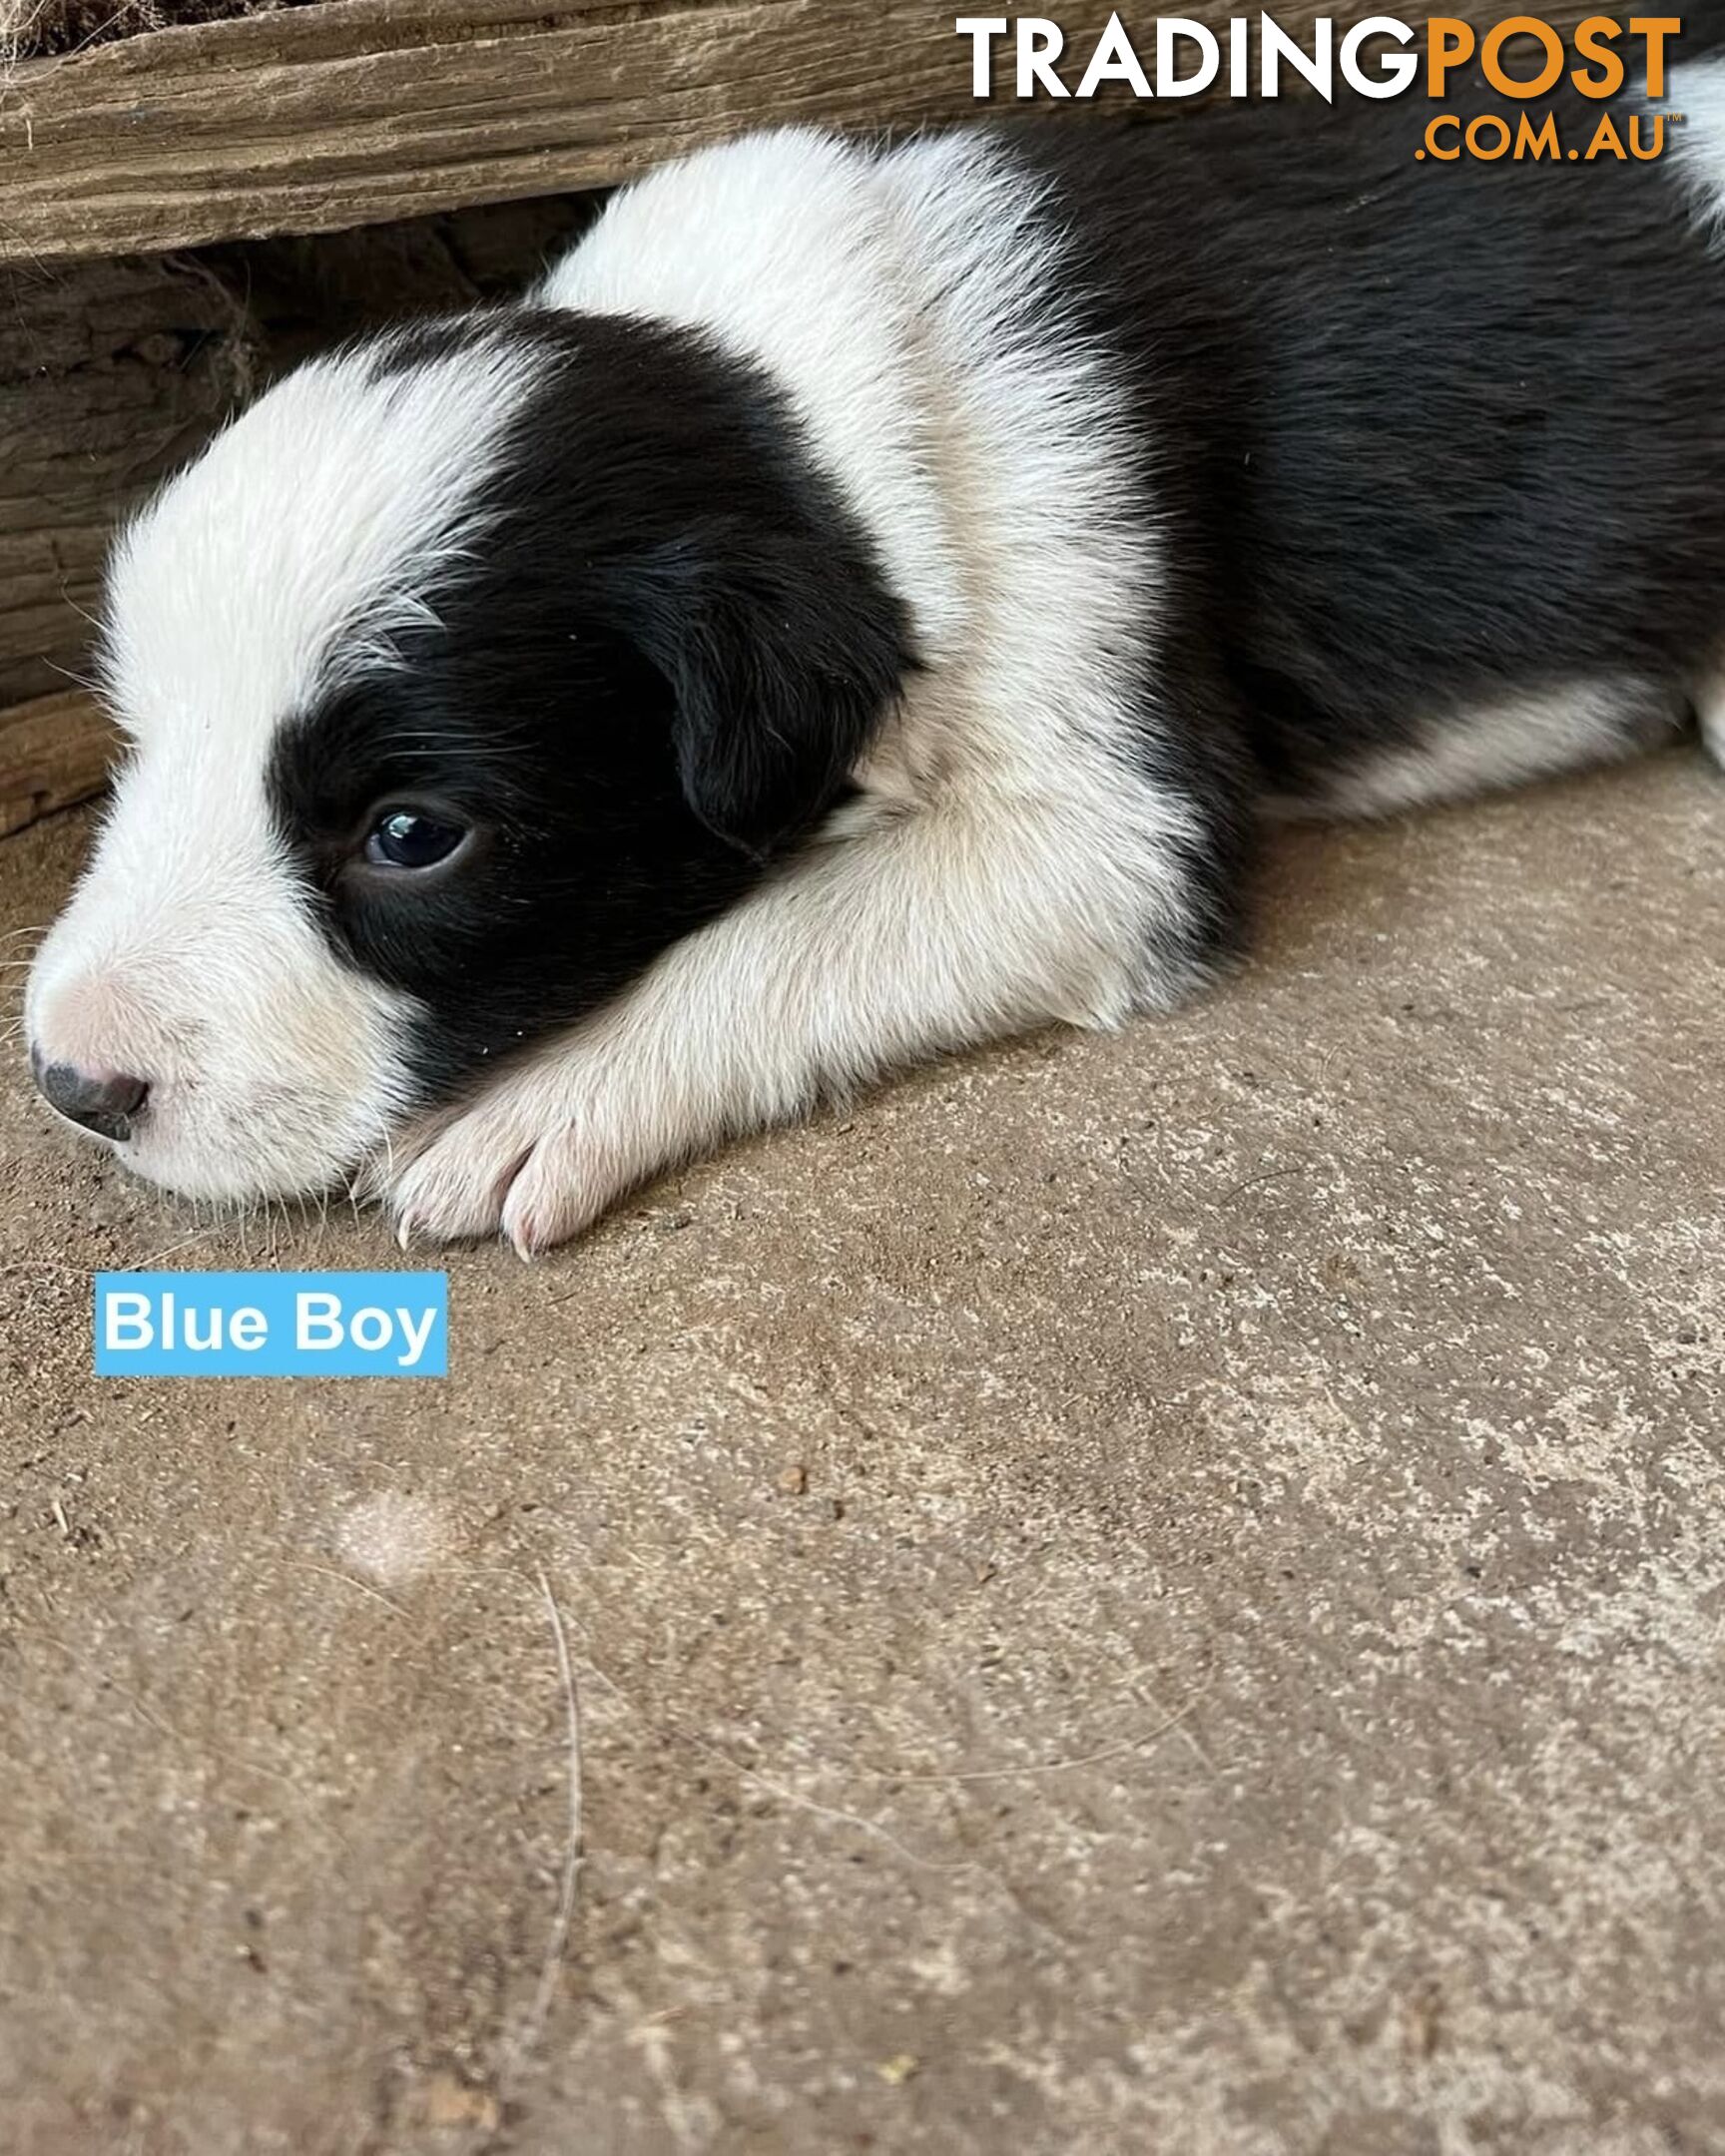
[907,933]
[1498,743]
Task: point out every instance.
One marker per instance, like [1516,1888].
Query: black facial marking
[650,682]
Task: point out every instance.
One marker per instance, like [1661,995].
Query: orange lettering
[1491,56]
[1594,41]
[1449,43]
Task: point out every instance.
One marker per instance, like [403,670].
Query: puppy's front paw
[514,1162]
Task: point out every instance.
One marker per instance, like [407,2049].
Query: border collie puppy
[859,605]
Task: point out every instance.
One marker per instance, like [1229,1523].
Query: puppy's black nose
[106,1102]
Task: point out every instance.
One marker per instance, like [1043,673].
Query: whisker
[77,680]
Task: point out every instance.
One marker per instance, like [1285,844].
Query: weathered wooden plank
[368,110]
[364,111]
[53,751]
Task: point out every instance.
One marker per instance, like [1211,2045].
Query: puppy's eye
[411,839]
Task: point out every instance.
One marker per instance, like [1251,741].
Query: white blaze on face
[190,956]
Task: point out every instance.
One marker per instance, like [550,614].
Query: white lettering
[1168,83]
[1115,61]
[416,1339]
[126,1323]
[318,1320]
[1397,70]
[982,30]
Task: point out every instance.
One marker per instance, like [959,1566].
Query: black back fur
[1424,434]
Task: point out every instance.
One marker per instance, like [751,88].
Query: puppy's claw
[560,1191]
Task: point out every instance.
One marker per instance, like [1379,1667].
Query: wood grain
[366,109]
[54,750]
[363,111]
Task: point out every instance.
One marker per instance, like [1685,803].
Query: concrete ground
[1159,1593]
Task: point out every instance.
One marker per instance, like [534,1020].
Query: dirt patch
[1147,1593]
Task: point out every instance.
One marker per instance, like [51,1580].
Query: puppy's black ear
[783,657]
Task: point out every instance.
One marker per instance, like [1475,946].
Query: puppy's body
[858,606]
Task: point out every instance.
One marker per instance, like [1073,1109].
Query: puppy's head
[462,675]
